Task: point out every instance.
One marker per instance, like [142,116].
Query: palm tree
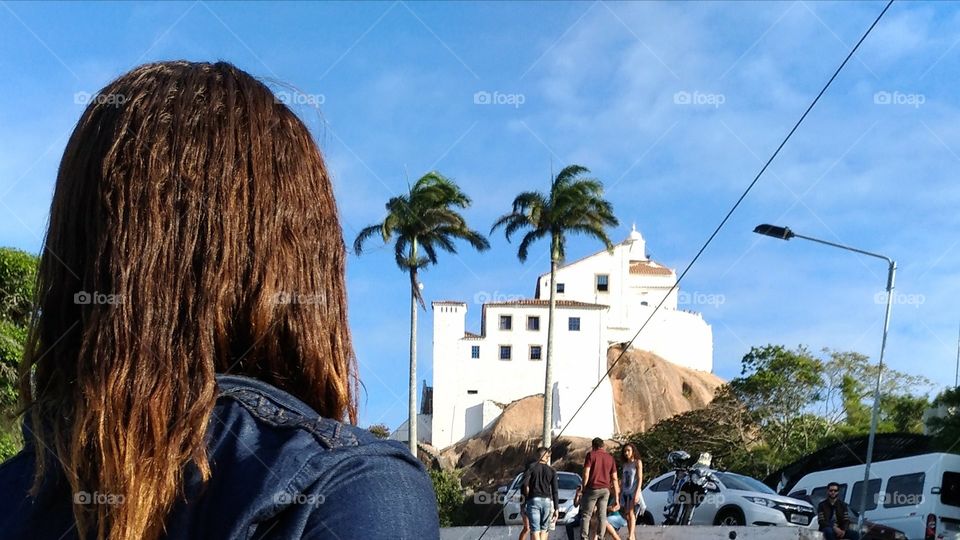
[575,205]
[425,218]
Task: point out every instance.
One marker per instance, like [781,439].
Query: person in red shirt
[599,477]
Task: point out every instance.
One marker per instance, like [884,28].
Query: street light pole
[784,233]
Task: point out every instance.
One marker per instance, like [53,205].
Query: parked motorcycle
[690,484]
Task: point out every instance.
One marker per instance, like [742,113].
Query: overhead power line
[723,222]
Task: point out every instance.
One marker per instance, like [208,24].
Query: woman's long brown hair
[193,231]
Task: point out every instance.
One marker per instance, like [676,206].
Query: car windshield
[568,481]
[564,481]
[743,483]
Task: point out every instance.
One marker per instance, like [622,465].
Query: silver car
[733,499]
[567,483]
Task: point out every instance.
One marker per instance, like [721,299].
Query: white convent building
[602,300]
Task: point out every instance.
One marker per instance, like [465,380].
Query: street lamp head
[783,233]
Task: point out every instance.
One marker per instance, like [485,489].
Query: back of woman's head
[193,231]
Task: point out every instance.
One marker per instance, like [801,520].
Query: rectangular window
[603,282]
[535,352]
[506,322]
[533,323]
[663,485]
[819,494]
[873,492]
[505,352]
[560,288]
[573,324]
[904,490]
[950,489]
[475,351]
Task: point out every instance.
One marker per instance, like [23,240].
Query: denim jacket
[278,471]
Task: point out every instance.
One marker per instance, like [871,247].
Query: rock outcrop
[646,389]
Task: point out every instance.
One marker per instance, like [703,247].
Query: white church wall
[462,384]
[680,337]
[465,389]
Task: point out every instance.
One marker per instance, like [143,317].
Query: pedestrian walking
[600,477]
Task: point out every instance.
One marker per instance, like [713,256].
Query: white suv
[567,484]
[733,499]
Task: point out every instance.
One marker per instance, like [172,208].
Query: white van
[919,495]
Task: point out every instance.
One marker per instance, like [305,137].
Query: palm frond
[365,235]
[528,239]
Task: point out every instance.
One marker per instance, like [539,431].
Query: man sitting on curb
[833,516]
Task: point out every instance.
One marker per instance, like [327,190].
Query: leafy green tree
[18,274]
[724,428]
[425,218]
[778,386]
[793,403]
[380,431]
[18,271]
[945,427]
[574,205]
[446,486]
[849,385]
[903,413]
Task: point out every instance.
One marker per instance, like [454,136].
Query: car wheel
[730,517]
[646,519]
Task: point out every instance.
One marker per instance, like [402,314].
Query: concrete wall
[465,388]
[424,425]
[680,337]
[645,533]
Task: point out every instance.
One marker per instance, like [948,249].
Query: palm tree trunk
[412,389]
[548,376]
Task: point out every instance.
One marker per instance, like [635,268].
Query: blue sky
[674,106]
